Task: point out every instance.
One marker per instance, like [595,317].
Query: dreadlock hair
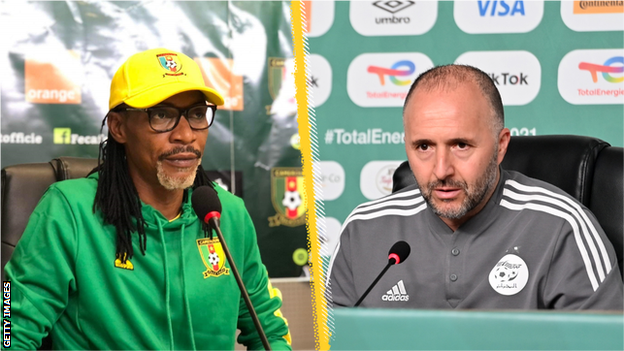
[118,200]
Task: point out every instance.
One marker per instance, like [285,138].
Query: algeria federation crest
[509,276]
[213,256]
[170,63]
[287,197]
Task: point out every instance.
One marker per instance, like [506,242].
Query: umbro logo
[397,293]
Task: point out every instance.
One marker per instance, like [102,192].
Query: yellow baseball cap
[152,76]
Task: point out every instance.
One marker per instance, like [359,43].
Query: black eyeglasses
[165,118]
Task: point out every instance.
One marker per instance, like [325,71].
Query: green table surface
[388,329]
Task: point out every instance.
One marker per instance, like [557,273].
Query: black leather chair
[24,184]
[22,187]
[587,168]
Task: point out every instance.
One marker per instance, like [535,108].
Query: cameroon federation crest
[277,73]
[213,256]
[170,63]
[287,197]
[281,86]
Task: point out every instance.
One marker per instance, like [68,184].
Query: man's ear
[117,126]
[503,141]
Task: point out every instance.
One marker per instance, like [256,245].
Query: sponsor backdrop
[558,65]
[58,59]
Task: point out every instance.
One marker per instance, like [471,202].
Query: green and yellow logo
[213,257]
[287,197]
[62,135]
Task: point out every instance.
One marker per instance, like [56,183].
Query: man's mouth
[445,193]
[182,160]
[181,157]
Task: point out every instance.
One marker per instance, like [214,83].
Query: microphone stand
[391,262]
[241,285]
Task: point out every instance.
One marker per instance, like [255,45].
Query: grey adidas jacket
[531,247]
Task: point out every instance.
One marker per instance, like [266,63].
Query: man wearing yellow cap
[119,260]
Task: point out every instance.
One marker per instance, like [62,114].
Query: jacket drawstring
[186,300]
[167,292]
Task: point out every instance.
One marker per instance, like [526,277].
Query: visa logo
[500,8]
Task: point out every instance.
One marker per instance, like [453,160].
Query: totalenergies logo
[605,69]
[394,72]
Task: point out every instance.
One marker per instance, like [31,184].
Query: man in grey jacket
[481,237]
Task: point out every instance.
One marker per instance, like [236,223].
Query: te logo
[605,69]
[503,7]
[394,72]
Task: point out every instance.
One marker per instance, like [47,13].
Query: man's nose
[183,132]
[443,167]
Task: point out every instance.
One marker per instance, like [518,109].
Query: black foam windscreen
[205,200]
[401,249]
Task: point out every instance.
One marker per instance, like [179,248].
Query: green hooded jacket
[66,281]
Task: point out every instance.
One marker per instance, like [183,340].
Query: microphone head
[399,252]
[205,200]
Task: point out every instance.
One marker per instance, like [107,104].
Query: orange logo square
[218,75]
[307,24]
[53,78]
[586,7]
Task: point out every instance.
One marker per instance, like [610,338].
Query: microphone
[397,254]
[207,206]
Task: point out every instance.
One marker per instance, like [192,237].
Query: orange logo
[307,24]
[218,75]
[53,78]
[585,7]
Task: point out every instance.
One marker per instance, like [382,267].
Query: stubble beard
[474,194]
[175,183]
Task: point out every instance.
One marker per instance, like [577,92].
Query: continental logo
[593,16]
[53,78]
[65,136]
[587,7]
[218,75]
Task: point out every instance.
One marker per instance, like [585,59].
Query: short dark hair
[450,76]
